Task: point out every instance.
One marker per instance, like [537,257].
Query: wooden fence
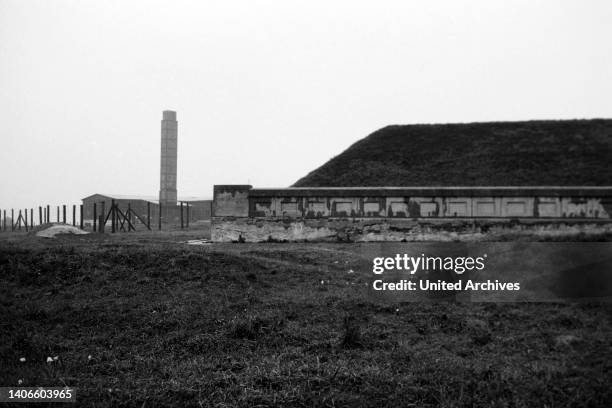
[120,220]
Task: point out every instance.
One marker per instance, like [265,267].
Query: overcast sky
[266,91]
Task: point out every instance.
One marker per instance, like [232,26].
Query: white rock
[53,230]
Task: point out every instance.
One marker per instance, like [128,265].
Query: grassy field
[145,320]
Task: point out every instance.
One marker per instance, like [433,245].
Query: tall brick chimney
[167,180]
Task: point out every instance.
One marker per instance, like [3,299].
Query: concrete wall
[232,229]
[298,205]
[284,204]
[231,200]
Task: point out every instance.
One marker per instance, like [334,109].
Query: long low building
[197,208]
[235,205]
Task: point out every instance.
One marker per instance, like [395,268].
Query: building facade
[147,207]
[246,207]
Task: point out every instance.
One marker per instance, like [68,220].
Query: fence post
[31,217]
[95,217]
[64,213]
[129,217]
[73,215]
[25,222]
[159,215]
[113,216]
[40,219]
[81,216]
[58,218]
[181,215]
[188,215]
[103,212]
[149,215]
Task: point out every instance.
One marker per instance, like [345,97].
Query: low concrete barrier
[396,213]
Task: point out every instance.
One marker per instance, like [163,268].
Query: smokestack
[167,182]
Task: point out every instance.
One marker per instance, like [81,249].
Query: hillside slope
[569,152]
